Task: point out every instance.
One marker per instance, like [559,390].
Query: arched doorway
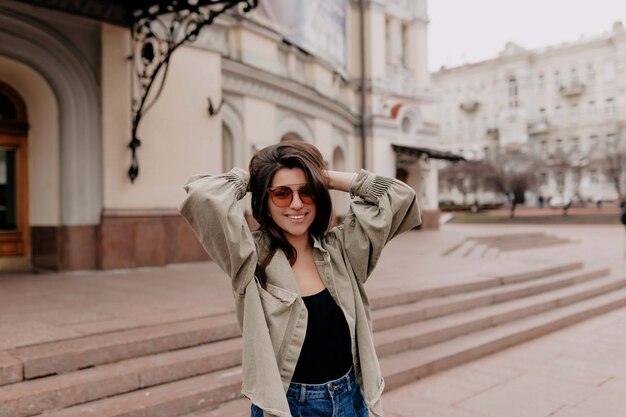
[14,228]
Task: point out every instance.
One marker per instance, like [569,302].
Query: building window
[557,114]
[541,81]
[542,114]
[512,85]
[560,178]
[228,152]
[544,178]
[593,176]
[573,77]
[591,73]
[388,41]
[575,145]
[9,173]
[404,47]
[592,109]
[574,114]
[593,142]
[610,107]
[557,79]
[610,141]
[558,145]
[609,71]
[543,147]
[407,125]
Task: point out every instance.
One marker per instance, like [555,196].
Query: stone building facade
[349,76]
[564,104]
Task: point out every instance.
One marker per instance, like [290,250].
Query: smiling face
[296,218]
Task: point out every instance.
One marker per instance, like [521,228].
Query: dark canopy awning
[121,12]
[430,153]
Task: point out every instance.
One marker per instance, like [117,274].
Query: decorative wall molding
[290,122]
[238,78]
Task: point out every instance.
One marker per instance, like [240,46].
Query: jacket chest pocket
[277,303]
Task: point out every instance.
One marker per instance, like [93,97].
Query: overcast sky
[462,31]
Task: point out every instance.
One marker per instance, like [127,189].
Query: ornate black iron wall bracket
[214,110]
[159,27]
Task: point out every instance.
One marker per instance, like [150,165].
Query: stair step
[483,246]
[167,400]
[10,369]
[32,397]
[409,365]
[73,354]
[530,244]
[467,285]
[430,332]
[472,248]
[455,247]
[436,307]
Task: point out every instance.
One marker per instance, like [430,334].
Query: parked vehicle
[559,202]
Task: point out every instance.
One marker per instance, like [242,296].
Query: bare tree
[614,163]
[466,176]
[513,173]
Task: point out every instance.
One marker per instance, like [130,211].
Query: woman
[299,289]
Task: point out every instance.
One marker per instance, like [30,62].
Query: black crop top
[327,352]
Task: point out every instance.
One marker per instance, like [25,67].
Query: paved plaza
[578,371]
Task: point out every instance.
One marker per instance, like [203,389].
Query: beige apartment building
[349,76]
[564,104]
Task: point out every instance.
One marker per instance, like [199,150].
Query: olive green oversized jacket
[273,319]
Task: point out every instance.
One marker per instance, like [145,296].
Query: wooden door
[14,227]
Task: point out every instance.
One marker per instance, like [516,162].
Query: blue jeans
[339,398]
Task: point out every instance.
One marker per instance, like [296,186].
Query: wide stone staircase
[192,368]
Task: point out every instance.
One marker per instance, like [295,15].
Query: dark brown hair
[263,166]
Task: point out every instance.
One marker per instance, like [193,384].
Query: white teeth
[297,217]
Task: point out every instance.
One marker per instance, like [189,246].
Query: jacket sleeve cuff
[239,179]
[369,186]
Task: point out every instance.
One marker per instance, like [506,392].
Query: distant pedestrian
[541,201]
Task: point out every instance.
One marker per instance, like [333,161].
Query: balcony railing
[469,106]
[573,89]
[538,127]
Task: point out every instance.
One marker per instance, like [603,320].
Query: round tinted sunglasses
[282,196]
